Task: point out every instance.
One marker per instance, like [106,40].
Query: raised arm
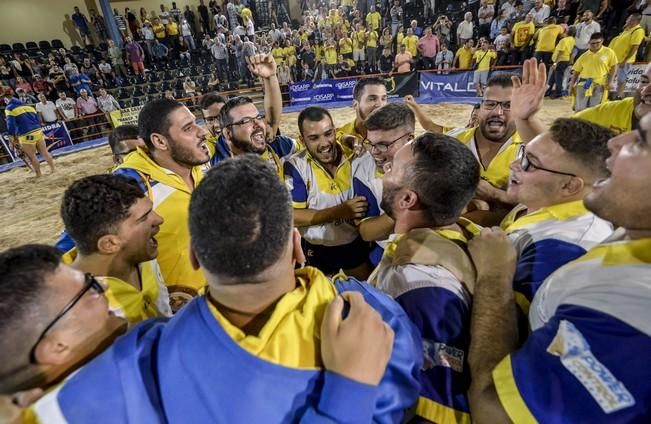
[264,66]
[527,99]
[421,116]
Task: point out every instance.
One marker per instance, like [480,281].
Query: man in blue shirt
[82,25]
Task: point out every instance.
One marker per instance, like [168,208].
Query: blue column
[109,21]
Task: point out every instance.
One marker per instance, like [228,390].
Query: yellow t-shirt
[596,65]
[521,33]
[624,41]
[159,31]
[483,59]
[410,42]
[373,19]
[547,37]
[345,45]
[399,37]
[616,115]
[290,55]
[319,53]
[279,54]
[371,39]
[246,14]
[331,55]
[563,50]
[465,58]
[359,40]
[172,29]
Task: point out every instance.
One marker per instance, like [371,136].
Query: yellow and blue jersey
[312,187]
[587,357]
[151,301]
[548,239]
[21,119]
[197,367]
[617,115]
[497,171]
[429,273]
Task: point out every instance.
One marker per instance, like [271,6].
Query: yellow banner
[127,116]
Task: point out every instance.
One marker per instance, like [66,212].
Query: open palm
[529,92]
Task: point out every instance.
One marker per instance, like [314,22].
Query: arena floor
[30,206]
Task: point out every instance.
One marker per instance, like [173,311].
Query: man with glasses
[114,228]
[592,74]
[211,104]
[54,318]
[388,129]
[425,267]
[494,142]
[585,359]
[320,182]
[549,179]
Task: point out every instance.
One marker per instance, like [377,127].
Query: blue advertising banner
[307,92]
[436,86]
[56,136]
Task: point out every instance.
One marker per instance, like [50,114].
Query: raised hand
[262,65]
[529,92]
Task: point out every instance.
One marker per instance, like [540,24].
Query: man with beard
[494,143]
[319,180]
[425,267]
[210,105]
[620,116]
[266,343]
[589,319]
[549,179]
[369,94]
[114,227]
[53,318]
[388,129]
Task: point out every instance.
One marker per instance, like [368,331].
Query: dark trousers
[556,82]
[544,57]
[222,70]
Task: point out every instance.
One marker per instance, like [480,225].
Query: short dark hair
[94,205]
[123,132]
[584,141]
[154,118]
[210,99]
[224,114]
[444,174]
[501,79]
[312,114]
[22,280]
[571,31]
[597,36]
[390,116]
[362,83]
[255,218]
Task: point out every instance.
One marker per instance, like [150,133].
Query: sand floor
[30,206]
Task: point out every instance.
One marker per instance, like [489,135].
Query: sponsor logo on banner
[56,136]
[297,88]
[633,75]
[433,85]
[126,116]
[343,85]
[321,98]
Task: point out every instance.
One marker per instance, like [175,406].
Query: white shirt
[47,110]
[583,33]
[67,107]
[509,9]
[464,30]
[540,15]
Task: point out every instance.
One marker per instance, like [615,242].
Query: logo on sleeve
[441,355]
[575,355]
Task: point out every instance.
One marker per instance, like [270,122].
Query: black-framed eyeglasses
[525,164]
[492,104]
[90,282]
[381,147]
[247,121]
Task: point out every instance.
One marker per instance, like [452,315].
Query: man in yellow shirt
[373,19]
[370,93]
[484,59]
[172,31]
[159,30]
[371,49]
[246,15]
[546,40]
[593,73]
[278,52]
[625,46]
[410,42]
[330,55]
[463,56]
[359,45]
[114,227]
[346,46]
[561,59]
[522,34]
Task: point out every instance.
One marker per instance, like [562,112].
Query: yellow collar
[621,252]
[559,212]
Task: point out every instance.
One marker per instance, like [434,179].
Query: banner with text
[56,137]
[126,116]
[433,85]
[633,75]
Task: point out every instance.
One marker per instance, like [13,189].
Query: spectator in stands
[561,60]
[58,78]
[68,65]
[175,13]
[117,59]
[508,7]
[484,59]
[47,111]
[120,22]
[625,46]
[80,81]
[106,102]
[135,55]
[67,108]
[164,15]
[410,42]
[149,37]
[98,23]
[371,49]
[188,15]
[219,52]
[43,86]
[7,75]
[597,7]
[396,17]
[24,97]
[500,21]
[21,66]
[82,25]
[386,61]
[132,23]
[190,88]
[159,31]
[540,13]
[172,34]
[485,17]
[444,59]
[25,85]
[428,46]
[90,69]
[186,32]
[463,58]
[204,18]
[403,60]
[522,34]
[545,40]
[584,31]
[593,74]
[465,29]
[443,28]
[87,106]
[285,77]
